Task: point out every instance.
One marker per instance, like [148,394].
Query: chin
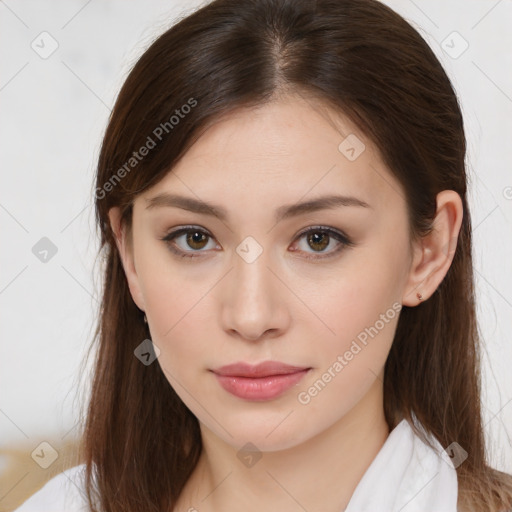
[266,431]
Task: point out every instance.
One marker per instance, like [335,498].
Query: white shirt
[406,476]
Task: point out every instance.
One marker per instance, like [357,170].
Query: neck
[319,474]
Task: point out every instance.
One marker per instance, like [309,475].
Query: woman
[288,318]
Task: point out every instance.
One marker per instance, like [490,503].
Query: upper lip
[265,369]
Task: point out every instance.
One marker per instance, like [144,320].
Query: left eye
[317,238]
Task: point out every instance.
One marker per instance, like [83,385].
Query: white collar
[407,476]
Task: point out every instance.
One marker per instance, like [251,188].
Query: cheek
[348,363]
[178,304]
[353,302]
[349,360]
[178,322]
[361,308]
[168,286]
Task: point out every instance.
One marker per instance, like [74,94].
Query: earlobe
[433,254]
[126,255]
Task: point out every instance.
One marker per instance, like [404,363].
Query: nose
[254,302]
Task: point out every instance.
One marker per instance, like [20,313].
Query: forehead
[279,153]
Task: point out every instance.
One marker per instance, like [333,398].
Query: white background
[53,114]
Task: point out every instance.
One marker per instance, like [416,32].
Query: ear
[125,247]
[433,253]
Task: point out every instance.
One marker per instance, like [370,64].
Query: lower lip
[262,388]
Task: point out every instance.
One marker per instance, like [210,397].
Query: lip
[260,382]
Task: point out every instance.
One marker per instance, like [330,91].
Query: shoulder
[63,493]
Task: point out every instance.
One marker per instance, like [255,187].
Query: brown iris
[318,238]
[196,237]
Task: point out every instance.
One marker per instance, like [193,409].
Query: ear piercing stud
[420,297]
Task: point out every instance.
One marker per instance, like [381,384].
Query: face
[318,290]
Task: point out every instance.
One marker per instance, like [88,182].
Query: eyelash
[337,235]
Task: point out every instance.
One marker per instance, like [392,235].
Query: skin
[217,309]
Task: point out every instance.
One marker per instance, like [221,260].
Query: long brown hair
[140,442]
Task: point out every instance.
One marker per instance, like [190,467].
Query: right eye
[194,237]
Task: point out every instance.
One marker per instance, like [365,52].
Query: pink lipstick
[260,382]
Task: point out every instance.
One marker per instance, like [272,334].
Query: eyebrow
[283,212]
